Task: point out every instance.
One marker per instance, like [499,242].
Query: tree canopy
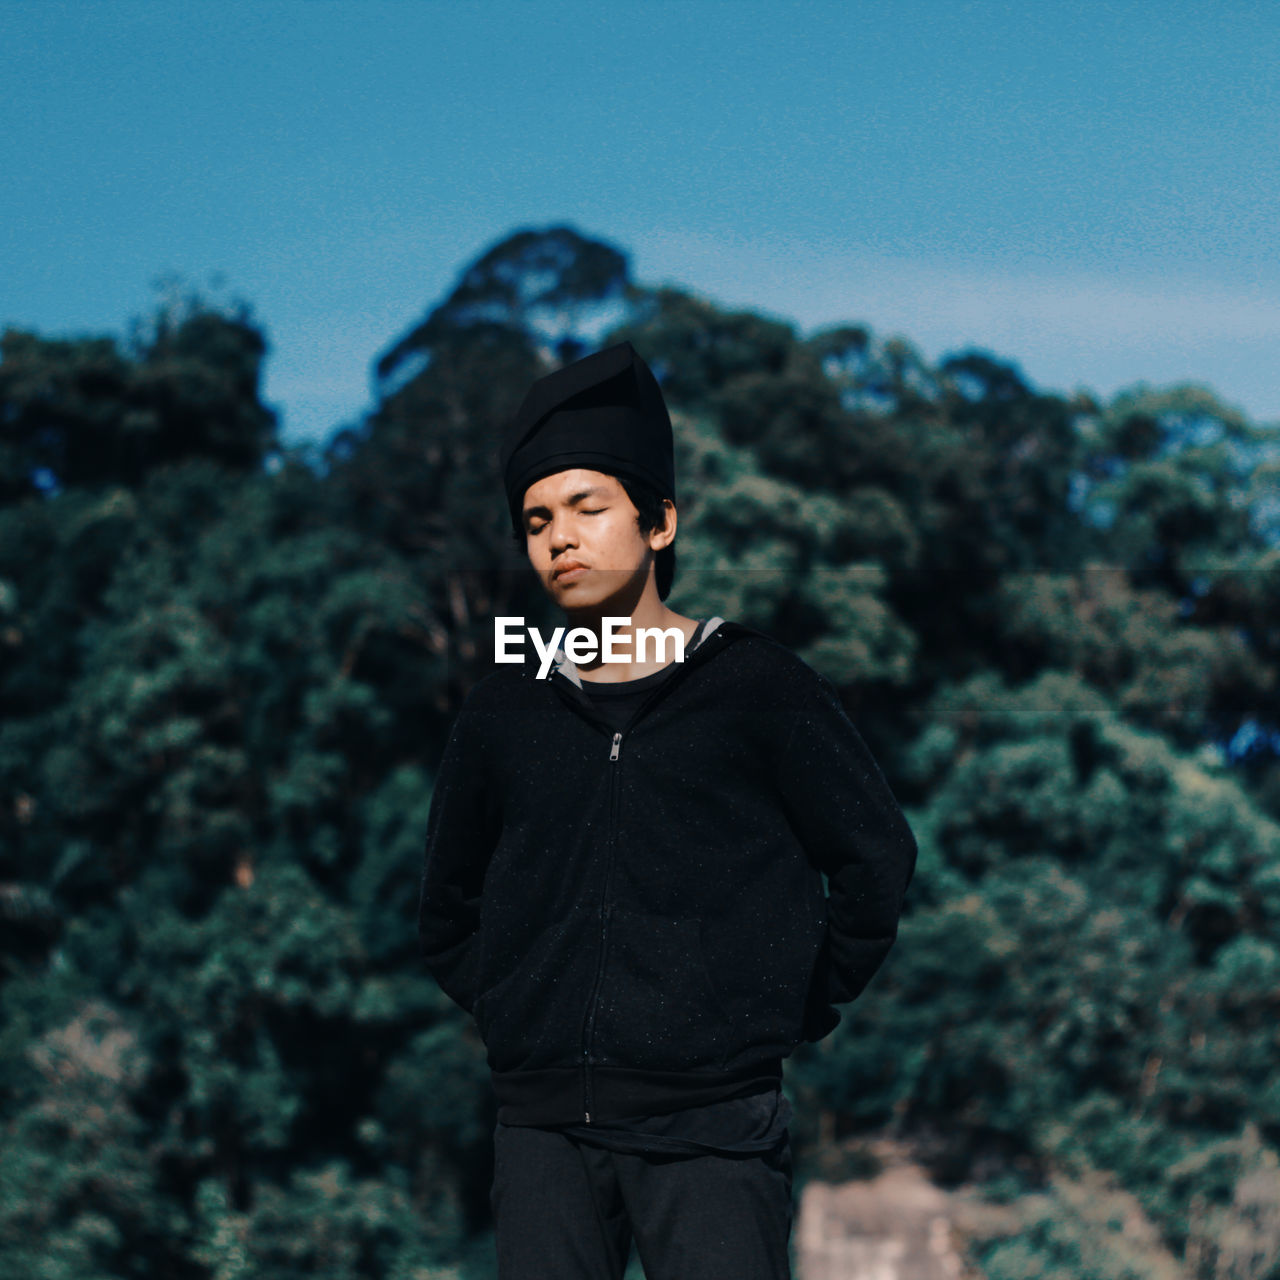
[227,676]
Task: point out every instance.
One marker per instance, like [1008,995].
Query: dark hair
[649,516]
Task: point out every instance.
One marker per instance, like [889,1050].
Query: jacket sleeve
[851,827]
[462,830]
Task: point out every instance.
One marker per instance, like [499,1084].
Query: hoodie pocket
[658,1007]
[820,1015]
[482,1006]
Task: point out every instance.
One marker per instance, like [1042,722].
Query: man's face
[582,538]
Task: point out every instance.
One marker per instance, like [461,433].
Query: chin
[596,592]
[573,596]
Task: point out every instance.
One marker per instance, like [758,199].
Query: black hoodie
[636,918]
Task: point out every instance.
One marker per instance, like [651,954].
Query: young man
[623,876]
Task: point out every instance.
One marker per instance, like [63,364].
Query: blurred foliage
[226,676]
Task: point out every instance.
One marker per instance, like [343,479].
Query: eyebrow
[570,500]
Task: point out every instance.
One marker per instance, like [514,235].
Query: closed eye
[595,512]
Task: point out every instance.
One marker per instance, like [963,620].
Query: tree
[87,412]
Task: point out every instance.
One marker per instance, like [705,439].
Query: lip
[569,572]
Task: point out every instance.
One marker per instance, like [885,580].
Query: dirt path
[895,1226]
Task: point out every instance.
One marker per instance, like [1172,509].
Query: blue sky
[1090,190]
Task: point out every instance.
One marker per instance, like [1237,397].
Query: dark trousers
[565,1210]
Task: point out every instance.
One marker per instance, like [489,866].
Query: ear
[665,534]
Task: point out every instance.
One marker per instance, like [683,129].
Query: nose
[561,534]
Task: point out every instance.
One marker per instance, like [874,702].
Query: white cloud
[1063,328]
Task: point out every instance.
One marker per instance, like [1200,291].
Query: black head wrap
[604,412]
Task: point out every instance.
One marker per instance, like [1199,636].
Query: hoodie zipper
[615,754]
[606,906]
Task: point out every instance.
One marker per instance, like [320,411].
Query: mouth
[568,572]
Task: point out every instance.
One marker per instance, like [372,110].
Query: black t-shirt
[618,701]
[730,1126]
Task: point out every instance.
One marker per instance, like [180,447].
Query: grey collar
[570,671]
